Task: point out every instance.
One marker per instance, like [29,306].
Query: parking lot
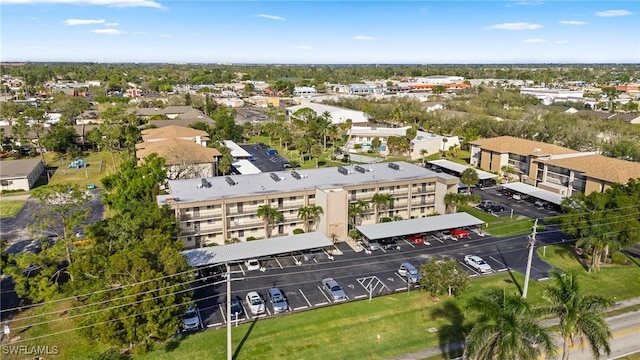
[359,273]
[264,162]
[523,207]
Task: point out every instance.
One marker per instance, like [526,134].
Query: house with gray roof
[20,174]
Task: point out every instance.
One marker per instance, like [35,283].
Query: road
[626,338]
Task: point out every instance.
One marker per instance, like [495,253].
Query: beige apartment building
[214,210]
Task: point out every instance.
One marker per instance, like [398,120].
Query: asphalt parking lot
[264,162]
[361,274]
[520,207]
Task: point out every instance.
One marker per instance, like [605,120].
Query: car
[271,152]
[333,289]
[507,193]
[236,308]
[389,243]
[191,319]
[372,245]
[477,263]
[460,233]
[485,204]
[446,235]
[278,300]
[262,117]
[517,197]
[409,272]
[417,239]
[286,166]
[540,203]
[252,264]
[255,302]
[495,208]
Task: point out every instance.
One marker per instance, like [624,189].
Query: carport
[535,192]
[418,226]
[486,179]
[255,249]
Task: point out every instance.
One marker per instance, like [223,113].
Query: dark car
[271,152]
[495,208]
[236,308]
[388,243]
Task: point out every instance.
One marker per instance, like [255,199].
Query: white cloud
[165,36]
[303,47]
[73,22]
[271,17]
[612,13]
[111,3]
[534,41]
[572,22]
[107,31]
[363,37]
[562,41]
[112,24]
[514,26]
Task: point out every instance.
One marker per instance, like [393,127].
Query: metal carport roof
[255,249]
[536,192]
[418,226]
[459,168]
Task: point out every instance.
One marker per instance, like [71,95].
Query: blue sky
[403,32]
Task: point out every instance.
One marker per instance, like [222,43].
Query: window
[210,221]
[293,198]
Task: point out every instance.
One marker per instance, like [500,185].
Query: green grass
[10,208]
[502,226]
[100,165]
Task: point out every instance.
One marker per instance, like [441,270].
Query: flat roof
[459,168]
[189,190]
[245,167]
[536,192]
[18,168]
[418,226]
[236,150]
[255,249]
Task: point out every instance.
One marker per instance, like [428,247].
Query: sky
[321,32]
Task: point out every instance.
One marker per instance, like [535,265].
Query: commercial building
[337,115]
[20,174]
[214,210]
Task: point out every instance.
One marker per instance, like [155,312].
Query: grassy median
[10,208]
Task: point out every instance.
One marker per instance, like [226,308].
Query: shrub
[386,219]
[618,258]
[357,146]
[251,238]
[298,231]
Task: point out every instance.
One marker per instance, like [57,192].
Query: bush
[357,146]
[618,258]
[251,238]
[10,191]
[386,220]
[298,231]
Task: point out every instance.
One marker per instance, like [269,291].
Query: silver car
[277,300]
[332,288]
[409,272]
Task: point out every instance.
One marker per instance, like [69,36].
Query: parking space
[524,206]
[263,161]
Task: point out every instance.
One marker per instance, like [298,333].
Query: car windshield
[256,301]
[190,314]
[277,299]
[413,271]
[335,288]
[480,262]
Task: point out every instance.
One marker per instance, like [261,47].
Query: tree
[507,328]
[316,152]
[270,216]
[451,201]
[443,277]
[469,177]
[119,130]
[60,138]
[379,202]
[375,143]
[581,316]
[611,94]
[423,155]
[309,214]
[356,209]
[508,170]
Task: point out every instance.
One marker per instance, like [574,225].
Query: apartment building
[213,210]
[552,167]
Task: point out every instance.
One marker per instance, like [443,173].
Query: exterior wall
[595,185]
[337,222]
[476,153]
[23,183]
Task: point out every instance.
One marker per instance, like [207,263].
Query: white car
[255,302]
[477,263]
[252,264]
[191,319]
[517,197]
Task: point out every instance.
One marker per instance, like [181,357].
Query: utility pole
[532,243]
[229,347]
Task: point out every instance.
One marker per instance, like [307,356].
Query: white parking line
[244,309]
[401,277]
[241,269]
[268,312]
[360,296]
[200,319]
[278,263]
[324,294]
[410,244]
[305,298]
[301,308]
[224,318]
[469,267]
[496,260]
[401,289]
[213,325]
[322,303]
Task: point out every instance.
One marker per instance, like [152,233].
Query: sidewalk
[458,346]
[14,197]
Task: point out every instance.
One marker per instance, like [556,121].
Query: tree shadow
[568,251]
[172,345]
[451,336]
[244,339]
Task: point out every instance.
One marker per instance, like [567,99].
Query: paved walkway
[458,346]
[14,197]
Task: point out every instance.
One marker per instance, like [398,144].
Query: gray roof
[167,110]
[459,168]
[536,192]
[258,184]
[17,168]
[255,249]
[418,226]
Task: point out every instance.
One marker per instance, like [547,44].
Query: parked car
[477,263]
[507,192]
[236,308]
[252,264]
[485,204]
[255,302]
[409,272]
[372,245]
[389,243]
[333,288]
[416,239]
[460,233]
[271,152]
[446,235]
[191,319]
[277,300]
[540,203]
[495,208]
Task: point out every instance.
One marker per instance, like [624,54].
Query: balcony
[233,225]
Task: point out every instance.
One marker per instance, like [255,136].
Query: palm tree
[508,170]
[270,216]
[451,202]
[581,316]
[507,329]
[423,154]
[469,177]
[380,201]
[356,209]
[612,94]
[309,214]
[316,152]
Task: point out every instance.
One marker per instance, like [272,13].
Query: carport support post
[532,243]
[229,350]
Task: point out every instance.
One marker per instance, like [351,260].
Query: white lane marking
[305,298]
[278,263]
[213,325]
[324,294]
[410,244]
[301,308]
[322,303]
[360,296]
[224,318]
[496,260]
[401,289]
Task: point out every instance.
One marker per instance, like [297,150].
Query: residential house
[20,174]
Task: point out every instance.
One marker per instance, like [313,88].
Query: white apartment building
[216,209]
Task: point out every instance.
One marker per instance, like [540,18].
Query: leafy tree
[225,127]
[611,94]
[507,328]
[270,216]
[118,131]
[469,177]
[443,277]
[60,138]
[375,143]
[381,201]
[316,152]
[581,316]
[439,89]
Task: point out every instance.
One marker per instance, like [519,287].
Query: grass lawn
[100,164]
[10,208]
[501,226]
